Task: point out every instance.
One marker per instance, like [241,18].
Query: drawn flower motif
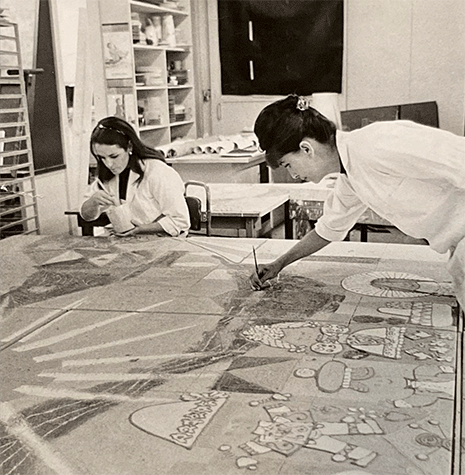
[427,439]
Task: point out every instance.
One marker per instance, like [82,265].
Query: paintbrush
[102,186]
[255,261]
[105,189]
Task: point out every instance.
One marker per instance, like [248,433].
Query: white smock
[410,174]
[158,197]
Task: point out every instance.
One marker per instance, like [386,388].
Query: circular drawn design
[428,439]
[390,284]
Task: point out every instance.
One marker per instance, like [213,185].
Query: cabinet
[148,67]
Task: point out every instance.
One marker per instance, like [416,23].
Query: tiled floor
[143,356]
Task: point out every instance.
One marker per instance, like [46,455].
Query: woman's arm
[94,206]
[309,244]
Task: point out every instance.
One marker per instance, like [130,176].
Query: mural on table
[262,368]
[395,285]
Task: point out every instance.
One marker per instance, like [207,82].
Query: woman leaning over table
[410,174]
[136,175]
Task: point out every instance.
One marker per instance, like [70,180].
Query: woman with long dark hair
[134,175]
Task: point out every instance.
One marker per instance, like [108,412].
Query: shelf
[139,47]
[9,80]
[178,48]
[18,200]
[178,124]
[146,128]
[148,97]
[8,125]
[143,7]
[12,153]
[150,88]
[9,168]
[172,49]
[182,86]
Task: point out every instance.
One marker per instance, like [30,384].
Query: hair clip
[303,103]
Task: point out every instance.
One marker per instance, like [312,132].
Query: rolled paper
[327,103]
[244,141]
[177,148]
[220,146]
[158,28]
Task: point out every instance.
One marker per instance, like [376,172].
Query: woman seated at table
[134,175]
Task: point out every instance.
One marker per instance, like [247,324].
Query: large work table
[216,168]
[282,210]
[151,355]
[304,206]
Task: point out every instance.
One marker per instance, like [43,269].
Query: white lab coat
[158,197]
[410,174]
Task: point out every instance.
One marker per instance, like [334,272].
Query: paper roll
[327,103]
[244,141]
[220,146]
[177,149]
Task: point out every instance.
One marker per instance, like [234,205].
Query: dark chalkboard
[280,47]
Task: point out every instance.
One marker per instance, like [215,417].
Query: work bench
[279,210]
[132,341]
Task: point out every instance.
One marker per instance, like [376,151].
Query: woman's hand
[131,232]
[104,199]
[258,281]
[93,207]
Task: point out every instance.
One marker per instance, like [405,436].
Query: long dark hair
[281,126]
[116,131]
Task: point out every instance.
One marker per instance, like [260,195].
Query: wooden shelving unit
[18,200]
[153,86]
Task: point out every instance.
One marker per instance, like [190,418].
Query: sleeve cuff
[167,224]
[329,234]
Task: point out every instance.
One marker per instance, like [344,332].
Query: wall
[397,51]
[407,51]
[24,13]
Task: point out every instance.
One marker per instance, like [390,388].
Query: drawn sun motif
[390,284]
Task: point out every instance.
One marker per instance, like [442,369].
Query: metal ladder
[18,198]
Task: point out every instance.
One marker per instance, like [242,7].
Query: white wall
[405,51]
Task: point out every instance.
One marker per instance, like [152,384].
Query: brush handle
[105,189]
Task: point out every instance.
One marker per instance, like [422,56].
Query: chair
[194,204]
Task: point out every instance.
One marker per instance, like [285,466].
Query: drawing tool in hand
[105,189]
[102,186]
[255,261]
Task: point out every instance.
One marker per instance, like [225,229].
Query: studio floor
[154,356]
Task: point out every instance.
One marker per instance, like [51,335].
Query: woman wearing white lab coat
[135,175]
